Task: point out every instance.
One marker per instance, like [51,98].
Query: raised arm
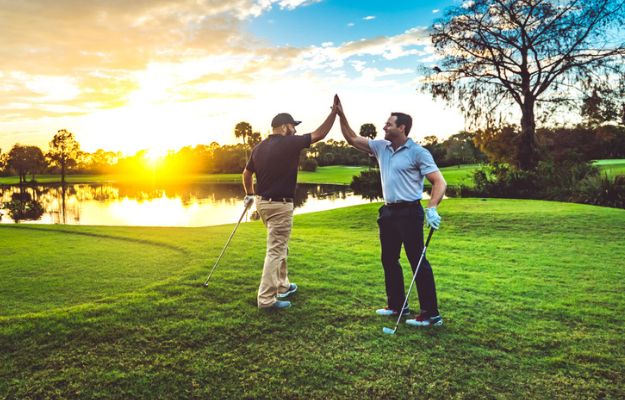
[359,142]
[321,132]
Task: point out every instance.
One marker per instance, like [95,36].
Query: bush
[566,181]
[309,164]
[601,191]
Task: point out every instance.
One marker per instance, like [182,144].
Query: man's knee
[389,260]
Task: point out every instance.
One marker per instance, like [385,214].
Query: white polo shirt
[402,170]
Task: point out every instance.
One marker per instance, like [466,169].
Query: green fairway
[532,294]
[611,167]
[459,174]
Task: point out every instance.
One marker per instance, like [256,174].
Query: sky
[160,74]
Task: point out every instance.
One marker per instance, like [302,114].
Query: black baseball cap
[283,118]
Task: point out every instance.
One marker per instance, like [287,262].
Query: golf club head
[388,331]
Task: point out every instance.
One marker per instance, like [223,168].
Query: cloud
[369,17]
[436,11]
[291,4]
[92,52]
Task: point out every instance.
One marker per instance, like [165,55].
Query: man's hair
[403,119]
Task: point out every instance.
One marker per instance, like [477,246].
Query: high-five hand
[338,106]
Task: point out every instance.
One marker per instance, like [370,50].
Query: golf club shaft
[414,276]
[227,243]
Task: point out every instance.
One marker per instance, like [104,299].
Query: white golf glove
[248,200]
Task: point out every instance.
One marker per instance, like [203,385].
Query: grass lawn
[611,167]
[459,174]
[532,293]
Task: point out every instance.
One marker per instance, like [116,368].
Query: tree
[368,131]
[253,139]
[26,159]
[435,148]
[4,160]
[603,105]
[243,130]
[460,149]
[496,53]
[64,150]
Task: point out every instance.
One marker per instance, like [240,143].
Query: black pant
[403,224]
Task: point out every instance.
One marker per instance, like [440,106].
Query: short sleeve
[426,162]
[305,140]
[376,146]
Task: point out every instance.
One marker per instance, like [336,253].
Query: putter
[227,243]
[390,331]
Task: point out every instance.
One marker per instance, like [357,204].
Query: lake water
[184,205]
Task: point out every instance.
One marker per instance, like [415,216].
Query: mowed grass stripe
[531,293]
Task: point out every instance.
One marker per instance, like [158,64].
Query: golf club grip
[427,242]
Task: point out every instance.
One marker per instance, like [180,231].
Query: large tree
[26,160]
[64,151]
[243,130]
[532,53]
[368,130]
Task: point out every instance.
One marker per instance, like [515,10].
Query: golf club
[227,243]
[390,331]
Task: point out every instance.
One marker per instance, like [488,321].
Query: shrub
[309,164]
[564,181]
[601,190]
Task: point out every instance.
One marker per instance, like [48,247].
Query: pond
[183,205]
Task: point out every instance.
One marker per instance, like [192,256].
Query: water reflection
[148,205]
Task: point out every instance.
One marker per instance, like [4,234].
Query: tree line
[581,143]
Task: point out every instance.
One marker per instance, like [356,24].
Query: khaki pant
[278,219]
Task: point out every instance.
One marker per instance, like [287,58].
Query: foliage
[26,160]
[253,139]
[565,181]
[559,144]
[498,53]
[243,130]
[601,190]
[23,207]
[64,151]
[309,164]
[531,294]
[368,184]
[4,164]
[332,152]
[368,130]
[604,104]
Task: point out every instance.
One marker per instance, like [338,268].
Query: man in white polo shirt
[403,165]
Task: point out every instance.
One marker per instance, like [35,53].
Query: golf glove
[248,200]
[432,219]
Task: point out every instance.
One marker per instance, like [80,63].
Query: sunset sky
[160,74]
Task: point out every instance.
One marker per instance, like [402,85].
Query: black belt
[402,204]
[282,199]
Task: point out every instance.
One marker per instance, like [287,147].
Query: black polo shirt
[275,161]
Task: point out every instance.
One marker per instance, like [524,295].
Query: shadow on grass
[102,236]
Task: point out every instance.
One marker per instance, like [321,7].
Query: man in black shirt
[275,163]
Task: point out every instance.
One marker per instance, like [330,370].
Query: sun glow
[155,156]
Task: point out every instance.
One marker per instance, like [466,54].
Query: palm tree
[243,130]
